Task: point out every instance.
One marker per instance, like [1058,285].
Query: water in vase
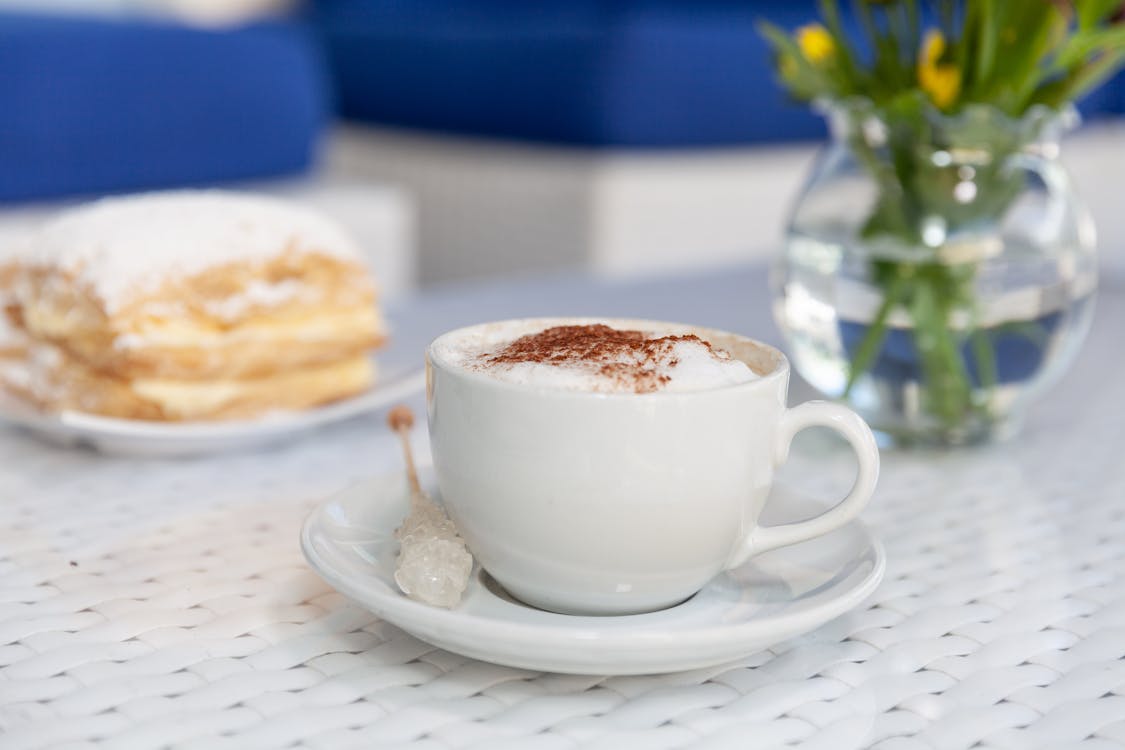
[1029,315]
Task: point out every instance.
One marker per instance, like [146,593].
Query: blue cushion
[573,71]
[90,105]
[642,73]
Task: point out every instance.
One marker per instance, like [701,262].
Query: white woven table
[166,603]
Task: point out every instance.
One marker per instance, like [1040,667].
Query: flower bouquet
[940,209]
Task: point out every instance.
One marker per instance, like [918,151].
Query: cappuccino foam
[598,358]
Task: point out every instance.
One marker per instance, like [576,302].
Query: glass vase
[939,271]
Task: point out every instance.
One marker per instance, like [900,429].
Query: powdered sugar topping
[126,246]
[257,294]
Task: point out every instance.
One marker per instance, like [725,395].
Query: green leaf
[1086,79]
[1027,33]
[1083,44]
[808,82]
[988,39]
[851,75]
[914,41]
[888,75]
[1042,32]
[776,36]
[947,13]
[1093,12]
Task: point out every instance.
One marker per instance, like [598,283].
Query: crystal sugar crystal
[433,563]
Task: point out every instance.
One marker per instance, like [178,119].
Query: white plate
[135,437]
[348,540]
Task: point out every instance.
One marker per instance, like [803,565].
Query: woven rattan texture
[166,603]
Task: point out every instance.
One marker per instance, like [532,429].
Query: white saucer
[135,437]
[348,540]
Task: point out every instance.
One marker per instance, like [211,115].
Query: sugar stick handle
[401,420]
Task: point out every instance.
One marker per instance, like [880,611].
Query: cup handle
[853,429]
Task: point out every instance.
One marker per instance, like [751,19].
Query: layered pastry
[193,305]
[13,341]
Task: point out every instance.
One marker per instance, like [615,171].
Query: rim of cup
[778,363]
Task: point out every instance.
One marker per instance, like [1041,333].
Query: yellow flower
[941,81]
[816,43]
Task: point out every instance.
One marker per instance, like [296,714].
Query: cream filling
[190,397]
[48,322]
[182,397]
[316,327]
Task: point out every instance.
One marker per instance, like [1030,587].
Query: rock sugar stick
[433,563]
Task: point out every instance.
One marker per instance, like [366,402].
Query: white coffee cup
[618,503]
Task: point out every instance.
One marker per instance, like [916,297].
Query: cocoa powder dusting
[628,358]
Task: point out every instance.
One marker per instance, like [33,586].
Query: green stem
[987,42]
[946,383]
[872,341]
[985,355]
[914,40]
